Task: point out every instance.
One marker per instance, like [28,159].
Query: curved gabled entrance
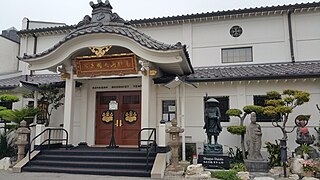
[127,118]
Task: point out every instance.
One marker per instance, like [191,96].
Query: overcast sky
[72,11]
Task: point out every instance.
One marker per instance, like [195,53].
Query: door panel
[127,118]
[103,128]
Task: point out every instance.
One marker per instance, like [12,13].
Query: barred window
[234,55]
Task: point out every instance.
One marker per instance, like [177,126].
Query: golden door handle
[120,123]
[116,123]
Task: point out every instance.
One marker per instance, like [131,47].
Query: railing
[150,143]
[48,140]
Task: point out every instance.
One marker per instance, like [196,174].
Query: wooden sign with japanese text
[106,66]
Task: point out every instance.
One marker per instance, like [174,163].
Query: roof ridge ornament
[101,13]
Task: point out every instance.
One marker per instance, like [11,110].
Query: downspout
[290,36]
[28,21]
[35,44]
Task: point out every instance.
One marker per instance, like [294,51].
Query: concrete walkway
[9,175]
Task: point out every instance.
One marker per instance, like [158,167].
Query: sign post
[113,106]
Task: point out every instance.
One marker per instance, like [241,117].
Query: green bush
[236,130]
[18,115]
[238,167]
[236,156]
[225,175]
[6,149]
[2,108]
[274,153]
[9,98]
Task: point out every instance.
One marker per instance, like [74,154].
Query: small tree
[18,115]
[52,95]
[8,98]
[284,104]
[241,129]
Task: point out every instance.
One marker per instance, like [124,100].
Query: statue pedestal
[214,161]
[212,149]
[257,165]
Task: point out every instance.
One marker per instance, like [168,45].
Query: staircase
[95,161]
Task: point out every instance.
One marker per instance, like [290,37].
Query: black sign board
[214,161]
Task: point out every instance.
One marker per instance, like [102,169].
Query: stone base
[214,161]
[175,169]
[212,149]
[257,166]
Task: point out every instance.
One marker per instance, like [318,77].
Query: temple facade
[163,68]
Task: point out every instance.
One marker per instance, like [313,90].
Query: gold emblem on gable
[100,51]
[131,116]
[107,116]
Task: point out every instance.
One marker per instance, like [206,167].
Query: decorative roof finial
[101,13]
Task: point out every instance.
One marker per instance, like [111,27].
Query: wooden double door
[127,119]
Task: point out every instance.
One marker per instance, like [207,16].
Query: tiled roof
[106,22]
[297,6]
[35,79]
[120,29]
[256,71]
[228,12]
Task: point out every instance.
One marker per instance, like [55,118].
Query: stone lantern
[174,144]
[22,140]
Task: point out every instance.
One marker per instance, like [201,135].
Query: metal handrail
[47,140]
[149,145]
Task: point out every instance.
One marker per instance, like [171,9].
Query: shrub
[225,175]
[18,115]
[274,153]
[2,108]
[6,149]
[9,98]
[236,130]
[236,156]
[238,167]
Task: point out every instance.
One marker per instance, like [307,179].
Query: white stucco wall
[241,94]
[307,36]
[8,56]
[267,35]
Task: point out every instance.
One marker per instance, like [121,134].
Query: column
[84,110]
[183,102]
[145,99]
[35,104]
[68,103]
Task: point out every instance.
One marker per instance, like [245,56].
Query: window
[223,106]
[168,110]
[6,104]
[234,55]
[260,101]
[30,104]
[236,31]
[43,108]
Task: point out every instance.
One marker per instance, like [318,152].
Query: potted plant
[305,148]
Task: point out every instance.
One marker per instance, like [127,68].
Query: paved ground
[8,175]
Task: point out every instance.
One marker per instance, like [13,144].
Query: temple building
[162,68]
